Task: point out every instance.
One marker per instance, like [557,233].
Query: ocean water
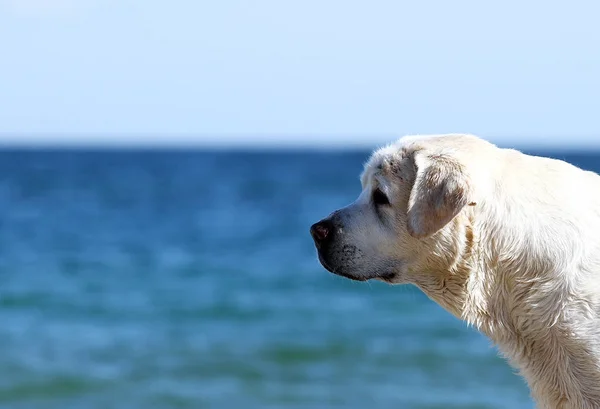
[158,279]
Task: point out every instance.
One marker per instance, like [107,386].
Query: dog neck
[526,319]
[445,275]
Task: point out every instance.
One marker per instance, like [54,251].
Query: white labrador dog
[506,241]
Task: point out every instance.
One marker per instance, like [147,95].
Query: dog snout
[322,232]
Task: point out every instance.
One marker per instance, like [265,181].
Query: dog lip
[340,273]
[386,278]
[351,277]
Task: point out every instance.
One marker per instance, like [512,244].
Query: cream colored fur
[506,241]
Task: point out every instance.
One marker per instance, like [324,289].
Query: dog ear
[440,191]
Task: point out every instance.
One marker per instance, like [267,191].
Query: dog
[506,241]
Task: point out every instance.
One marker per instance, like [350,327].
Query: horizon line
[265,141]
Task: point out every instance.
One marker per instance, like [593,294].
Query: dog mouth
[348,276]
[387,277]
[338,272]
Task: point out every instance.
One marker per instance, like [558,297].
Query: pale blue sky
[311,70]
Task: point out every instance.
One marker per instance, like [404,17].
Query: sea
[187,278]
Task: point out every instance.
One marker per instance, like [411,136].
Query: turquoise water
[189,280]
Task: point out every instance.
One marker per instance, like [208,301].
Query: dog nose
[321,231]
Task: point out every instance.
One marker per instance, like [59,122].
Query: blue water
[188,280]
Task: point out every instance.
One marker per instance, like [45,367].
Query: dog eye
[379,198]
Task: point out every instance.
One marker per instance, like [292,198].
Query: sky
[314,72]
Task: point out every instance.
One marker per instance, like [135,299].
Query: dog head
[405,217]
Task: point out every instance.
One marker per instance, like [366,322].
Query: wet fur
[508,242]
